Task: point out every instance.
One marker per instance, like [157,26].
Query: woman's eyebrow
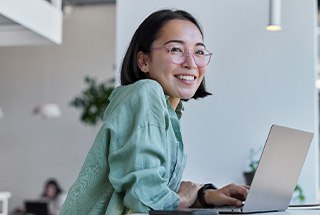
[174,41]
[201,44]
[182,42]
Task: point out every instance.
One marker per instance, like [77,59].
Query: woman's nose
[189,60]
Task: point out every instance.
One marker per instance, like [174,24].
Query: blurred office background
[257,78]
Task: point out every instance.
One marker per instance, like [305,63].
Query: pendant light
[1,114]
[47,109]
[274,15]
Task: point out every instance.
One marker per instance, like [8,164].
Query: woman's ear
[143,62]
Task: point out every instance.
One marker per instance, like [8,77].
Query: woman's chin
[187,96]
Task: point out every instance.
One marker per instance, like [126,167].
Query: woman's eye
[176,50]
[199,52]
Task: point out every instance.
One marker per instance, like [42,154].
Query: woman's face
[51,191]
[179,80]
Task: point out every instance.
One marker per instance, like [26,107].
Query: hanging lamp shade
[1,114]
[47,110]
[274,15]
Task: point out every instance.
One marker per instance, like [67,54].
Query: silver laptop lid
[278,171]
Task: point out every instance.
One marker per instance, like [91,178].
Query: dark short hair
[145,35]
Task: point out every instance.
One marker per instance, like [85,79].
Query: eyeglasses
[179,54]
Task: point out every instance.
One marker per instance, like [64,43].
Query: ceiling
[5,21]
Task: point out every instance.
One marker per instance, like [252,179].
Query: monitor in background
[36,207]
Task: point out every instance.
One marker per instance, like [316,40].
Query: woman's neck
[174,102]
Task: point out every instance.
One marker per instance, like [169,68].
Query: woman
[53,194]
[137,159]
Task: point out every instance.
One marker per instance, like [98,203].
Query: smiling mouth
[186,77]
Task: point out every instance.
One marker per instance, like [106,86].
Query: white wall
[257,78]
[33,149]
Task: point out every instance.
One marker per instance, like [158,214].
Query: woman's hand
[231,194]
[188,193]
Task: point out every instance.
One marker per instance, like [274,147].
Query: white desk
[295,212]
[4,197]
[287,212]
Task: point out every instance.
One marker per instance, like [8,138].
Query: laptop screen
[37,207]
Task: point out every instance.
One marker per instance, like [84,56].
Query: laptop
[36,207]
[278,171]
[276,176]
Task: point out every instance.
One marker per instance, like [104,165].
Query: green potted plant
[252,166]
[93,100]
[298,194]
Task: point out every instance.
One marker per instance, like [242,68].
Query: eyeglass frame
[167,47]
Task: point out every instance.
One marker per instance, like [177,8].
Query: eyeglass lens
[200,56]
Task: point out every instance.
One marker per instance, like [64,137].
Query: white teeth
[186,77]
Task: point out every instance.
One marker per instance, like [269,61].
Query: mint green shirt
[137,159]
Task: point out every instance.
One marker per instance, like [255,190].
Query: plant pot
[248,176]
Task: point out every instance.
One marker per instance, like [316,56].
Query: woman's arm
[139,156]
[188,194]
[231,194]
